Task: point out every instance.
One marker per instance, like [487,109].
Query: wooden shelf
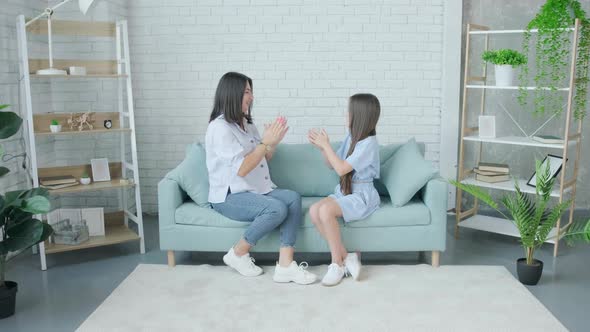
[41,123]
[516,140]
[85,132]
[509,186]
[94,68]
[115,232]
[94,186]
[77,171]
[77,77]
[73,28]
[497,225]
[493,87]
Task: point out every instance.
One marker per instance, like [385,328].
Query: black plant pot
[529,274]
[8,299]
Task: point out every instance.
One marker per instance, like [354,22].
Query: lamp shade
[85,5]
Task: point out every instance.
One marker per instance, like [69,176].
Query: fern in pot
[534,219]
[504,61]
[19,229]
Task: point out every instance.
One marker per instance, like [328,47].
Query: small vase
[85,181]
[529,274]
[504,75]
[55,128]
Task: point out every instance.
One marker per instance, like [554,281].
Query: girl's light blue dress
[364,199]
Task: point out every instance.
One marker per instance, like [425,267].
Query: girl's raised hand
[318,138]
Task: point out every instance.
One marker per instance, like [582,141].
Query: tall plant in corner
[19,229]
[533,218]
[552,56]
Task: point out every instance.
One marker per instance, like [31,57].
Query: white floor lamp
[84,7]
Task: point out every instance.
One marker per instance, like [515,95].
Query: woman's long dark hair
[364,110]
[228,98]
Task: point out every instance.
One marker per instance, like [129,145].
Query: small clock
[108,124]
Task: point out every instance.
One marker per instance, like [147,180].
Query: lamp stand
[50,70]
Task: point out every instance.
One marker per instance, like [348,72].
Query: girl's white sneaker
[294,273]
[352,262]
[334,275]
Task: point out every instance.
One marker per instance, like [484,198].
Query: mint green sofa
[186,225]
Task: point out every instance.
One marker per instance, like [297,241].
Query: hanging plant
[553,54]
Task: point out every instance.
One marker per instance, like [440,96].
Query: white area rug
[387,298]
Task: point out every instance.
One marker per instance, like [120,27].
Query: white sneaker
[334,275]
[295,273]
[353,265]
[243,264]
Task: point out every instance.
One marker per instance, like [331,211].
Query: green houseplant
[55,127]
[18,228]
[533,218]
[504,61]
[552,47]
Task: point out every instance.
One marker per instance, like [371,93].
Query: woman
[240,187]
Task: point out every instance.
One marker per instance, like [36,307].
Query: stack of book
[548,139]
[58,182]
[492,173]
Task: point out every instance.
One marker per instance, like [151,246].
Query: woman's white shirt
[227,145]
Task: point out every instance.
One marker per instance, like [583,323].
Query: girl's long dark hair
[364,110]
[228,98]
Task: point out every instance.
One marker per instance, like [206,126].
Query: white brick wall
[9,77]
[305,57]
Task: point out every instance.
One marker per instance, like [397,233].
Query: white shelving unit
[116,223]
[566,188]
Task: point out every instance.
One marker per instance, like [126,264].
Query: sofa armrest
[434,195]
[170,197]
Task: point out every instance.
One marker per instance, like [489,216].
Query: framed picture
[100,170]
[487,126]
[94,220]
[555,165]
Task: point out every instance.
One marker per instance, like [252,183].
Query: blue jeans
[280,207]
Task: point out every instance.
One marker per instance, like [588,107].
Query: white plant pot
[55,128]
[85,180]
[504,75]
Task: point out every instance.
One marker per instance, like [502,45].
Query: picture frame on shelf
[100,170]
[487,126]
[555,164]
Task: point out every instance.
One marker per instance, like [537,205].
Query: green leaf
[3,106]
[9,124]
[477,192]
[1,150]
[37,205]
[31,234]
[3,171]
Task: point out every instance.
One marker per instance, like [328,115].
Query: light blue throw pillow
[405,173]
[192,176]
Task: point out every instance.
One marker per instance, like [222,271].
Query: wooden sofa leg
[171,261]
[435,258]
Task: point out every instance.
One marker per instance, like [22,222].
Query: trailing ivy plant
[552,56]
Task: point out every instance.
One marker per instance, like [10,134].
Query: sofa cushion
[413,213]
[405,173]
[301,167]
[192,176]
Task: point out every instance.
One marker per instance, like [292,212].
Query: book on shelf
[492,178]
[548,139]
[54,180]
[59,186]
[479,171]
[492,167]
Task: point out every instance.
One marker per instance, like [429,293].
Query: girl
[240,187]
[355,198]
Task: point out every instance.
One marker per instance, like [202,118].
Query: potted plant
[19,229]
[55,127]
[533,218]
[504,60]
[85,178]
[552,47]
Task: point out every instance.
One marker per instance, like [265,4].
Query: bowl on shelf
[85,180]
